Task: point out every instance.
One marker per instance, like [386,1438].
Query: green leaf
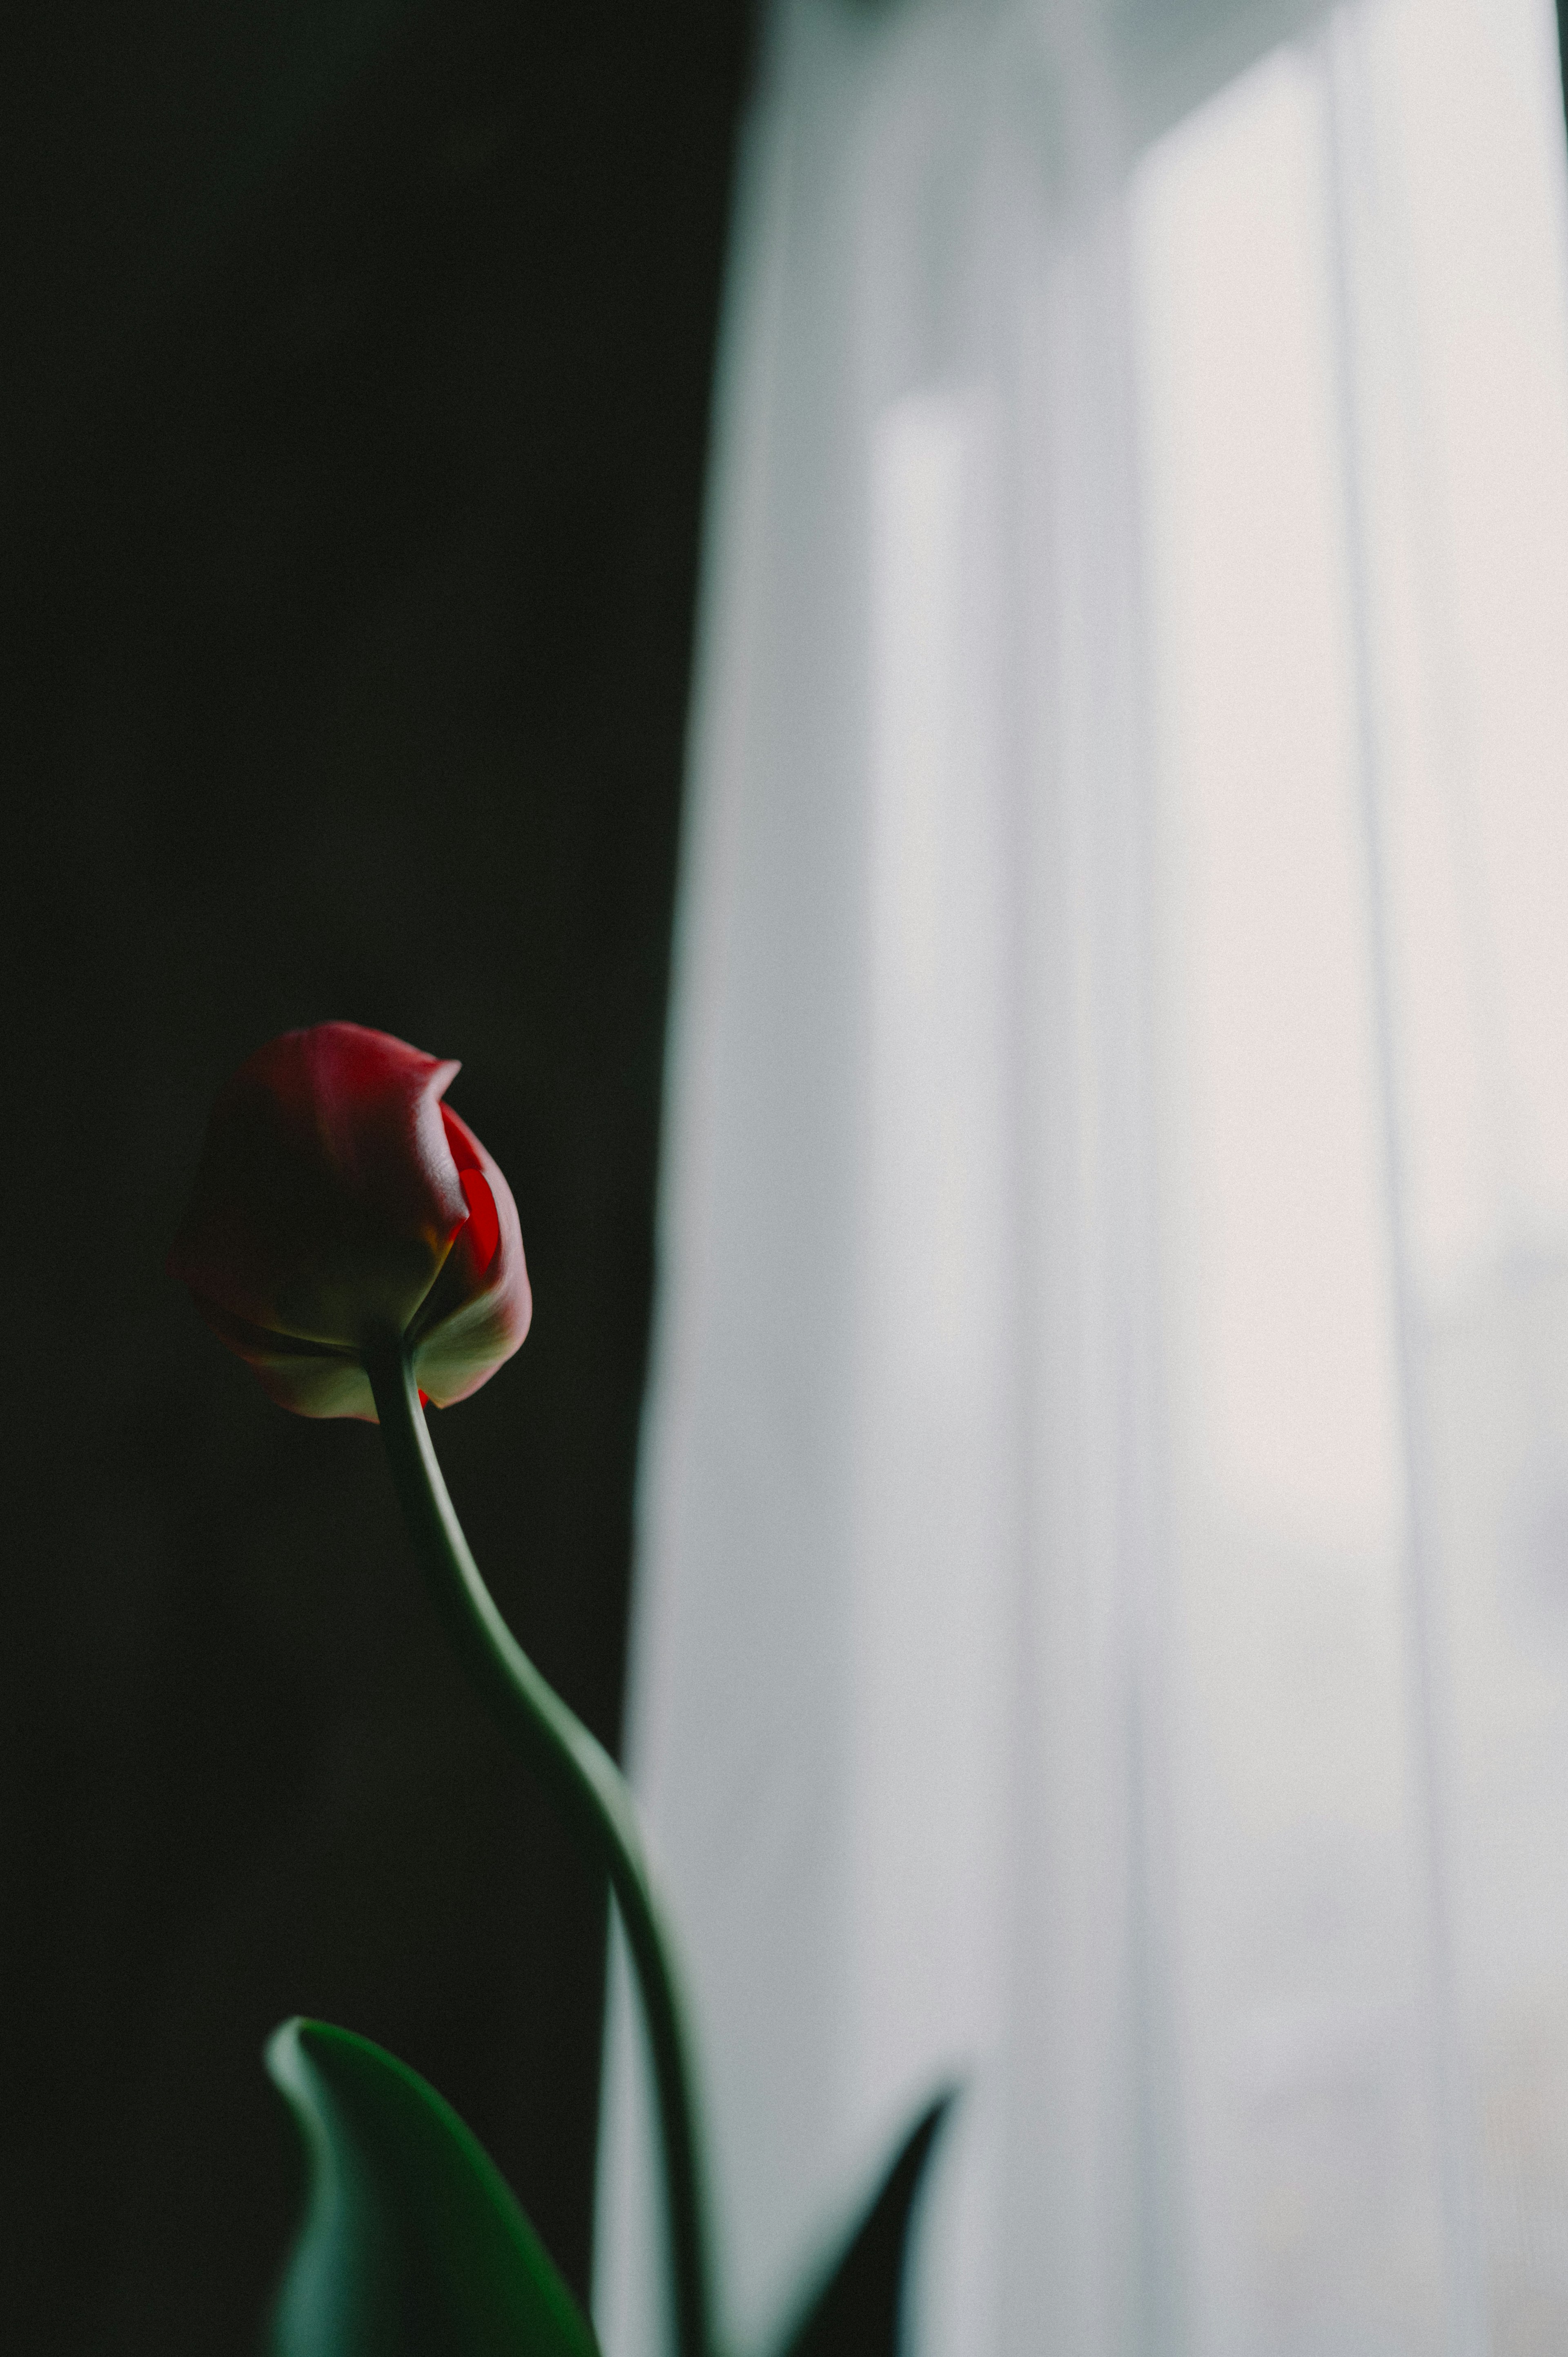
[857,2311]
[412,2244]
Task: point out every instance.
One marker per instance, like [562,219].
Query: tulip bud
[339,1207]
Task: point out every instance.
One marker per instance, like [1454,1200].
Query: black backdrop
[356,361]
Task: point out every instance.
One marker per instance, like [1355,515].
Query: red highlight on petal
[483,1233]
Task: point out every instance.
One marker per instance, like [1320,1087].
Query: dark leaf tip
[857,2311]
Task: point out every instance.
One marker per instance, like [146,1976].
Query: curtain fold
[1050,1670]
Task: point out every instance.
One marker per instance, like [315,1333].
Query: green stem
[587,1786]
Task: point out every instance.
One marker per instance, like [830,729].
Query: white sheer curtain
[1102,1606]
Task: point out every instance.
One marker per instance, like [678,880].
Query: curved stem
[588,1788]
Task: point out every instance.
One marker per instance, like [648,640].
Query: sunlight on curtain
[1353,271]
[1102,1613]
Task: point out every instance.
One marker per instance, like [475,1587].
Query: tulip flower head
[340,1206]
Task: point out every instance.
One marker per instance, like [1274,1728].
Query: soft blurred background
[1089,1421]
[357,365]
[1098,1627]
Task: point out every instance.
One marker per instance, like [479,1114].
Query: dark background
[356,369]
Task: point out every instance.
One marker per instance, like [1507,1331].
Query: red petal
[483,1233]
[326,1197]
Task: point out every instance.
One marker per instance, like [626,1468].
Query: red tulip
[340,1206]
